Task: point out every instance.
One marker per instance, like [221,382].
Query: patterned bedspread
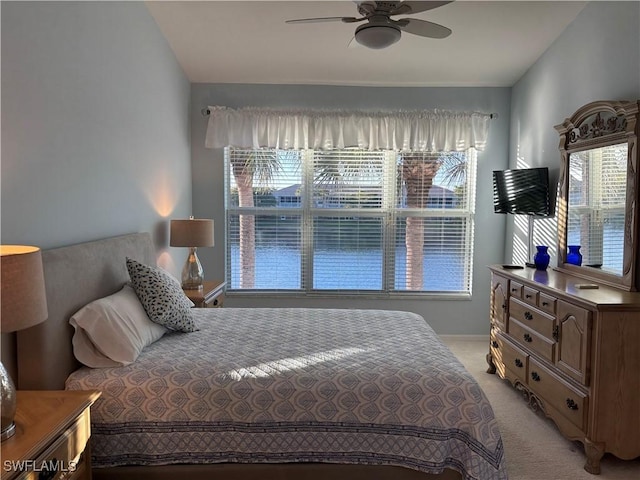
[296,385]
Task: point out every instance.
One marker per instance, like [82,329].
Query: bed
[264,393]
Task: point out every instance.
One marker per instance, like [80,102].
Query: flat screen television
[522,191]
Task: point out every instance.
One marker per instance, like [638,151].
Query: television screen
[522,191]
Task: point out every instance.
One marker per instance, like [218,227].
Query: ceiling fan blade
[407,8]
[423,28]
[326,19]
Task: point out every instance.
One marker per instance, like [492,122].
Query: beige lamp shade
[23,294]
[195,232]
[24,304]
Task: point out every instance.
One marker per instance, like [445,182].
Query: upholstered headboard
[74,276]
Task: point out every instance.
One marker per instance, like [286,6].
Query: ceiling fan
[381,30]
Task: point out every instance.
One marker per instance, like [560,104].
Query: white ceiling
[493,43]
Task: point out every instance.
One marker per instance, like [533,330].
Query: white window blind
[597,195]
[349,220]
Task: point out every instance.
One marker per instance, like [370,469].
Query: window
[349,221]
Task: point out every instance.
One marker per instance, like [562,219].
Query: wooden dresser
[573,352]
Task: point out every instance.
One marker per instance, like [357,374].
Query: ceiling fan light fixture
[377,36]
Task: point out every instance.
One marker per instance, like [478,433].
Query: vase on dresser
[541,257]
[574,257]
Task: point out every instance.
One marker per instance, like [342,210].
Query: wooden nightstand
[52,436]
[211,295]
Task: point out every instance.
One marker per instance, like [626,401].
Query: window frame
[389,213]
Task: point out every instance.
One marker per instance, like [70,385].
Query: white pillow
[112,331]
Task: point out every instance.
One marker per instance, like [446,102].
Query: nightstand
[211,295]
[52,436]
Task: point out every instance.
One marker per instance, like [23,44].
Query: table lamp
[24,304]
[192,233]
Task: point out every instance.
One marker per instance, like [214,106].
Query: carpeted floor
[534,448]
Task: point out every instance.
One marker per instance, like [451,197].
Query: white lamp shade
[195,232]
[23,294]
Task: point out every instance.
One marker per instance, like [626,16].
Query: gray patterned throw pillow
[162,297]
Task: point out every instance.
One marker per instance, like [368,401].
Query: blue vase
[541,258]
[574,257]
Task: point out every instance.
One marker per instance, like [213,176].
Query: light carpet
[534,448]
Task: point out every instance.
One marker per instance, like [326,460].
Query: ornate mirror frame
[596,125]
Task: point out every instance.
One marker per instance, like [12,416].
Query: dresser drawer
[547,303]
[510,362]
[535,298]
[530,295]
[532,317]
[532,340]
[516,360]
[215,303]
[515,289]
[570,402]
[64,459]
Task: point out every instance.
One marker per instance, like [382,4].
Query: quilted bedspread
[296,385]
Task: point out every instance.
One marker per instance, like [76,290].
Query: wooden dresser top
[560,284]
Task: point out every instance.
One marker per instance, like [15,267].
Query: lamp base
[192,273]
[8,391]
[9,430]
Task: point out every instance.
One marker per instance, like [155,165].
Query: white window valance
[433,131]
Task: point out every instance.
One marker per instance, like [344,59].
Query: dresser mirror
[598,198]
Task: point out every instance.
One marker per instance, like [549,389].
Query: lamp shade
[23,294]
[195,232]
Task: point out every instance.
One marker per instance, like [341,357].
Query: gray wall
[95,126]
[445,316]
[596,58]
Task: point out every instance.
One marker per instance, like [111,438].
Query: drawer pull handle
[528,316]
[535,377]
[494,344]
[519,363]
[545,304]
[527,296]
[514,289]
[504,306]
[527,338]
[571,404]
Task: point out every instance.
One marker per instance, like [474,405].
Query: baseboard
[464,338]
